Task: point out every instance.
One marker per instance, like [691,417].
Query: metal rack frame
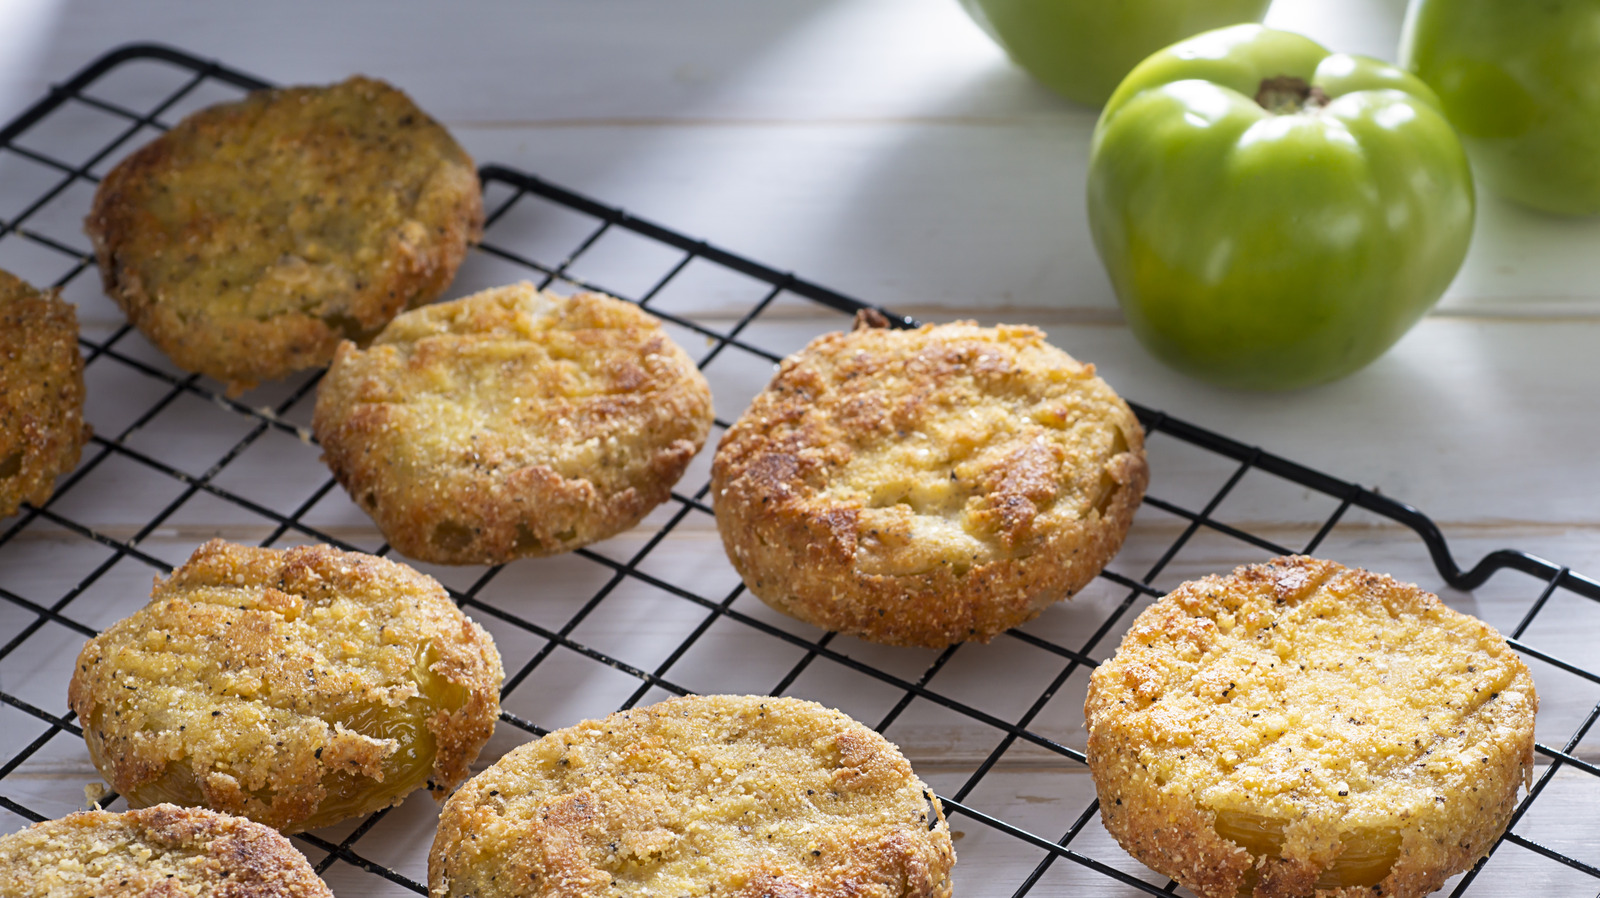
[82,92]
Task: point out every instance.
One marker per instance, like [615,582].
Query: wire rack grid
[996,729]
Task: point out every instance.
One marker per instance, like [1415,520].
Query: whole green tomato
[1272,215]
[1081,49]
[1520,79]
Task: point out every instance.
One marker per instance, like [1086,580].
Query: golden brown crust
[730,795]
[930,486]
[295,687]
[42,430]
[1358,735]
[511,423]
[165,851]
[250,239]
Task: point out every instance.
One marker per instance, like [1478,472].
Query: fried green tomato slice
[250,239]
[737,796]
[1301,727]
[924,487]
[511,423]
[296,687]
[164,851]
[42,430]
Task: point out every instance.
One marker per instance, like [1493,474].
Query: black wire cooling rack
[996,729]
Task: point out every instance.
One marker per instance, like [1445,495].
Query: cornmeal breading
[511,423]
[42,430]
[295,687]
[929,486]
[161,852]
[1303,727]
[742,796]
[250,239]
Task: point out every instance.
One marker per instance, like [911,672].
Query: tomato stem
[1287,94]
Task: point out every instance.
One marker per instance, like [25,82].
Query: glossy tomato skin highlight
[1081,49]
[1521,83]
[1275,248]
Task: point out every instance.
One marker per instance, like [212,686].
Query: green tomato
[1081,49]
[1274,216]
[1520,79]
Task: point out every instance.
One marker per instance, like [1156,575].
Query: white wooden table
[883,148]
